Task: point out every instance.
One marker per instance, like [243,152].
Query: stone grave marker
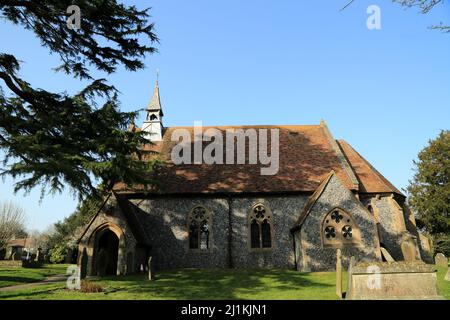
[387,256]
[396,281]
[441,260]
[339,273]
[409,251]
[151,269]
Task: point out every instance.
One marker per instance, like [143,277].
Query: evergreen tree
[429,190]
[55,139]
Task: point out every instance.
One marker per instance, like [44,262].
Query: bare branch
[12,221]
[351,1]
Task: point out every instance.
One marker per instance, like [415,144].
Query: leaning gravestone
[151,269]
[441,260]
[339,273]
[39,255]
[408,251]
[387,256]
[393,281]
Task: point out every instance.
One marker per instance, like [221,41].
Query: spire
[153,123]
[155,102]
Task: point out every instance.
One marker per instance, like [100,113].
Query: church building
[325,196]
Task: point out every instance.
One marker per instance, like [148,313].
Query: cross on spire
[155,102]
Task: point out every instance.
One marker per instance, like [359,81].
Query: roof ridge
[340,155]
[249,125]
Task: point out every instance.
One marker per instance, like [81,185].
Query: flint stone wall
[167,228]
[313,256]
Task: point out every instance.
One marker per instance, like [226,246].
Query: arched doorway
[107,253]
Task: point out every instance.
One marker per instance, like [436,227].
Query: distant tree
[53,140]
[12,222]
[425,6]
[39,239]
[429,190]
[65,233]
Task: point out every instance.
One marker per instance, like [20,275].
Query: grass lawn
[444,285]
[199,284]
[10,276]
[207,284]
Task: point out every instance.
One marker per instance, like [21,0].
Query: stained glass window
[260,227]
[199,221]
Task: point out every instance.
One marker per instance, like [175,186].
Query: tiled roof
[307,155]
[370,179]
[19,242]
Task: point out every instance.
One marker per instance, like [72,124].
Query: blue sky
[387,92]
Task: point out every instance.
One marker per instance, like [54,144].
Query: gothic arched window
[339,229]
[199,223]
[153,117]
[260,225]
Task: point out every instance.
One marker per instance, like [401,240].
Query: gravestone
[83,264]
[393,281]
[339,273]
[39,255]
[387,256]
[151,269]
[441,260]
[425,243]
[426,252]
[409,251]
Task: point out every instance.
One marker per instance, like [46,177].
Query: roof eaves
[93,218]
[311,201]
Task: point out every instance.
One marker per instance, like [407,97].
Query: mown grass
[10,276]
[444,285]
[198,284]
[207,284]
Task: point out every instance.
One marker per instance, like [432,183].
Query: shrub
[90,287]
[58,254]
